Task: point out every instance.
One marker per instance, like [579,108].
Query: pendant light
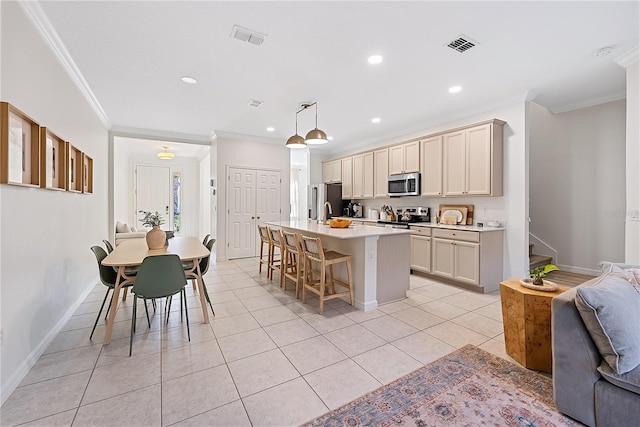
[165,155]
[315,136]
[296,141]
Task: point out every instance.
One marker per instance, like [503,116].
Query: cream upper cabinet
[472,161]
[381,172]
[332,171]
[347,178]
[404,158]
[363,176]
[431,166]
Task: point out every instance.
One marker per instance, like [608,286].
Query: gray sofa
[585,386]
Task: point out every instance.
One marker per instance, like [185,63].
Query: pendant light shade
[295,142]
[314,136]
[165,155]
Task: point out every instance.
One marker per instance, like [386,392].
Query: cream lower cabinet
[421,249]
[469,257]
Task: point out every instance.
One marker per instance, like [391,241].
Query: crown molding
[49,35]
[630,57]
[158,135]
[589,103]
[245,137]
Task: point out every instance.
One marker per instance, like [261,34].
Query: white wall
[511,208]
[632,230]
[124,197]
[577,184]
[250,153]
[46,265]
[204,198]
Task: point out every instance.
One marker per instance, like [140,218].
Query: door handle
[166,209]
[253,217]
[258,217]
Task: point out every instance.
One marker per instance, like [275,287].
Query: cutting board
[466,219]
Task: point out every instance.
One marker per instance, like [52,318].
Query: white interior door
[241,219]
[268,206]
[153,192]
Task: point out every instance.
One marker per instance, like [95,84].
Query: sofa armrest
[575,360]
[135,235]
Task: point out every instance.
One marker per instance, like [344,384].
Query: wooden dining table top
[132,252]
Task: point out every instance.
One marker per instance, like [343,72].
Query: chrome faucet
[324,212]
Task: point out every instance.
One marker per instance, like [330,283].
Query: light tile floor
[266,359]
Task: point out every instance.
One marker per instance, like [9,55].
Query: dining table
[131,253]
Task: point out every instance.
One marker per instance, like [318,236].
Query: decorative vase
[156,238]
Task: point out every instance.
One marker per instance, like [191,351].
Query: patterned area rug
[468,387]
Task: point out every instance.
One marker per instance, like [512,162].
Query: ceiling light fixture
[296,141]
[314,136]
[375,59]
[375,120]
[271,129]
[189,80]
[455,89]
[329,138]
[165,155]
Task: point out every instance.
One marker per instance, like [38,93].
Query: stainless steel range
[408,215]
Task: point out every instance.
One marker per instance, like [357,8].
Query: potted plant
[156,238]
[539,273]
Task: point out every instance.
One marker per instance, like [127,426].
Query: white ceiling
[133,54]
[146,147]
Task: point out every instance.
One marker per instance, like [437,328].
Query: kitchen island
[380,258]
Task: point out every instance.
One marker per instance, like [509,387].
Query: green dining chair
[108,278]
[108,245]
[206,239]
[204,267]
[160,276]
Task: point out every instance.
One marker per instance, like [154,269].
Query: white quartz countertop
[434,225]
[354,231]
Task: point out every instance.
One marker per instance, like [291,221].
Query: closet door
[241,208]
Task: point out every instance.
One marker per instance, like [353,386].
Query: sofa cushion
[122,228]
[610,310]
[629,381]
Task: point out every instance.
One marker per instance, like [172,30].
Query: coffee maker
[358,210]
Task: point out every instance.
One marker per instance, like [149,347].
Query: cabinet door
[431,167]
[367,175]
[454,158]
[396,159]
[326,172]
[381,172]
[421,253]
[336,171]
[358,176]
[347,178]
[442,263]
[478,147]
[467,262]
[411,157]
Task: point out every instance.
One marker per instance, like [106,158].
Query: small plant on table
[539,273]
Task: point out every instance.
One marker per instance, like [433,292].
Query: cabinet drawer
[420,231]
[467,236]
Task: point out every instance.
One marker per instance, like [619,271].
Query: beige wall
[632,230]
[577,183]
[45,262]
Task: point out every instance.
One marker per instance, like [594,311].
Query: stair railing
[546,249]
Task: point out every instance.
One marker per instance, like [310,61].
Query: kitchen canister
[373,214]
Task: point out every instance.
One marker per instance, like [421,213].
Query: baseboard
[371,305]
[35,354]
[579,270]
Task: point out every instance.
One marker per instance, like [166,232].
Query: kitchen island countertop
[354,231]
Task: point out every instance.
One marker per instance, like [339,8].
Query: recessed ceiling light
[375,120]
[455,89]
[375,59]
[270,129]
[189,80]
[330,138]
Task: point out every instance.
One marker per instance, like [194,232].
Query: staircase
[537,260]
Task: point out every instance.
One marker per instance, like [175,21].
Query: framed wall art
[74,168]
[19,147]
[52,161]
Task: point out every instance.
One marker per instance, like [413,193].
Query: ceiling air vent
[462,43]
[254,103]
[247,35]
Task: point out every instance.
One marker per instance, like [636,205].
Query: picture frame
[74,168]
[19,147]
[52,161]
[87,174]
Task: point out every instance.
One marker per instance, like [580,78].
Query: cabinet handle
[258,217]
[253,217]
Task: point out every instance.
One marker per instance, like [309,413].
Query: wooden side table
[526,315]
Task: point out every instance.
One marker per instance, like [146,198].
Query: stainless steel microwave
[406,184]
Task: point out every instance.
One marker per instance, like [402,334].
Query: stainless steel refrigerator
[320,193]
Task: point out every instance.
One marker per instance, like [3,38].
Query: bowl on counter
[339,223]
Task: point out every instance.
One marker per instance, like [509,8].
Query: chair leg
[169,299]
[260,259]
[350,281]
[323,278]
[100,312]
[185,297]
[133,324]
[146,309]
[108,308]
[332,288]
[206,294]
[153,302]
[193,284]
[186,313]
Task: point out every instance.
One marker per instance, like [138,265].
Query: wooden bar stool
[313,252]
[275,236]
[294,260]
[263,231]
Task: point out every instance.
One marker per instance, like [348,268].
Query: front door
[153,192]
